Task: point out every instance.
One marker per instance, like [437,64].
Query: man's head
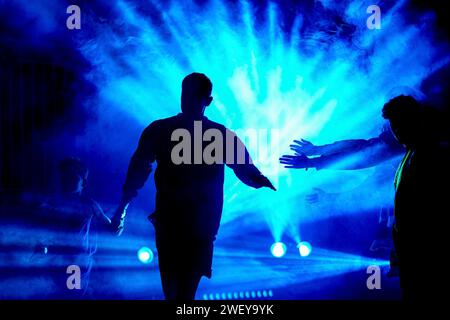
[195,94]
[405,115]
[73,174]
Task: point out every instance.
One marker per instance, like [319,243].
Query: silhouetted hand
[269,184]
[299,161]
[304,147]
[263,181]
[118,220]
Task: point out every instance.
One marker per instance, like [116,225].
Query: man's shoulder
[213,124]
[162,122]
[178,122]
[156,126]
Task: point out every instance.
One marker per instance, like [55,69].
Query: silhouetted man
[421,199]
[190,151]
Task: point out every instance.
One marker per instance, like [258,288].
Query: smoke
[308,70]
[311,70]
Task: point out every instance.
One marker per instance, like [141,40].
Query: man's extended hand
[304,147]
[118,220]
[263,181]
[299,161]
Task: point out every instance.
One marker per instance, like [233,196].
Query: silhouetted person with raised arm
[421,199]
[189,181]
[351,154]
[421,184]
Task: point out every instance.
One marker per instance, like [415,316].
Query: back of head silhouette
[195,94]
[405,115]
[74,175]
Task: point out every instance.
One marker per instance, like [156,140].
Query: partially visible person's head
[406,118]
[195,94]
[73,175]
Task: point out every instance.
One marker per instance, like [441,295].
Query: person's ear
[209,100]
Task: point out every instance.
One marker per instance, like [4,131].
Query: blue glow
[292,85]
[304,248]
[267,75]
[145,255]
[278,249]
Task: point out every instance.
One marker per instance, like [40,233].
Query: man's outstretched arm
[139,169]
[307,148]
[346,155]
[243,167]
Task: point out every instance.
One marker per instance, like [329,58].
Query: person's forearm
[138,172]
[355,161]
[341,146]
[248,174]
[335,162]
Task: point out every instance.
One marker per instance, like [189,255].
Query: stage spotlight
[278,249]
[304,248]
[145,255]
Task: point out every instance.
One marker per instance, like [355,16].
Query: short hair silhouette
[198,84]
[408,119]
[402,109]
[196,91]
